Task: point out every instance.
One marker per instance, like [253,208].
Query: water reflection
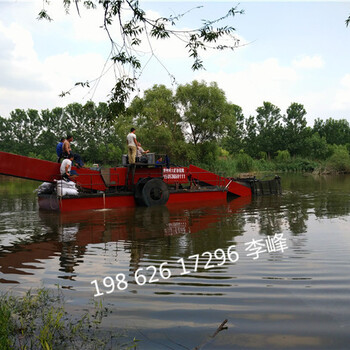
[68,234]
[28,236]
[298,299]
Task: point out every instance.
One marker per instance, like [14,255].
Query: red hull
[52,202]
[42,170]
[118,187]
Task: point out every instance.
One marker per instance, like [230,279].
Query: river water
[275,267]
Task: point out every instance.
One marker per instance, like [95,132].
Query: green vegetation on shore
[194,124]
[38,320]
[339,162]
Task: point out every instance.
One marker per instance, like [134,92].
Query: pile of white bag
[45,188]
[66,188]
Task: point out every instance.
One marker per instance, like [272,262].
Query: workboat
[145,183]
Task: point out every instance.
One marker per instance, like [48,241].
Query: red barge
[144,184]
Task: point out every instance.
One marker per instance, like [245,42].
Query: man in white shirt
[132,146]
[66,167]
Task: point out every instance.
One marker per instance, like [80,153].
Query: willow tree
[127,26]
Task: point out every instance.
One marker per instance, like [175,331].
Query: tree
[204,110]
[132,27]
[95,135]
[158,123]
[206,115]
[336,132]
[295,130]
[5,135]
[36,134]
[316,147]
[22,131]
[269,128]
[339,160]
[251,146]
[233,142]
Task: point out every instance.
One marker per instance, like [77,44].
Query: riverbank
[243,163]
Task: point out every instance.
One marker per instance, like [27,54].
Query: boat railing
[103,180]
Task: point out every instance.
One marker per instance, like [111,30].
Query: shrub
[264,165]
[316,147]
[339,161]
[223,152]
[224,167]
[282,155]
[244,162]
[39,321]
[296,164]
[263,155]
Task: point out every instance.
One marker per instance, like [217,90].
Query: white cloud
[88,26]
[30,82]
[261,81]
[19,65]
[31,79]
[345,81]
[342,95]
[281,85]
[22,39]
[309,62]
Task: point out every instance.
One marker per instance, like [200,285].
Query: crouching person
[66,166]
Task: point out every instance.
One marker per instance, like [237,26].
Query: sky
[296,51]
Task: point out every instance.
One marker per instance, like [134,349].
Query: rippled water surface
[294,298]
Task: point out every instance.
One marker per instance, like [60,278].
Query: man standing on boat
[132,146]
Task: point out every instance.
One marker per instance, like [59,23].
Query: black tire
[155,192]
[138,190]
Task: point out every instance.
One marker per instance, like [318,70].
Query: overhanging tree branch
[135,28]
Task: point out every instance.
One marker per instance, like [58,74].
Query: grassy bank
[13,186]
[38,320]
[243,163]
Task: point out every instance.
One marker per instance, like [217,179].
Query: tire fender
[155,192]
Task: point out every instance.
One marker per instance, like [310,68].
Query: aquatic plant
[38,320]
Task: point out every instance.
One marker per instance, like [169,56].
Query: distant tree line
[195,123]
